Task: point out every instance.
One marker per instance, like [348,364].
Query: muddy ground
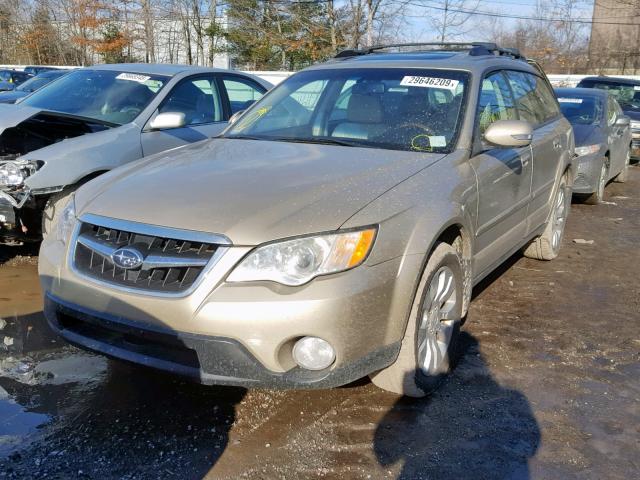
[548,388]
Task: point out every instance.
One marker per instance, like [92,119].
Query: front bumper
[587,173]
[362,313]
[208,360]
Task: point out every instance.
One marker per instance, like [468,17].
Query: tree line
[265,34]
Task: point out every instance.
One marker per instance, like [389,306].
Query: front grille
[168,266]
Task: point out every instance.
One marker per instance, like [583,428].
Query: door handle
[557,144]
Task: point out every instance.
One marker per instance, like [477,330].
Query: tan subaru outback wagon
[334,231]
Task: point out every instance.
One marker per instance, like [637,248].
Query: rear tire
[547,245]
[429,347]
[52,210]
[623,176]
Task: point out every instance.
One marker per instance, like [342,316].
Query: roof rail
[474,49]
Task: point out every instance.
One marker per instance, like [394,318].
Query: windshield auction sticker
[429,82]
[570,100]
[133,77]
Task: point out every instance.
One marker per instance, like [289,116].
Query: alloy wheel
[437,322]
[559,217]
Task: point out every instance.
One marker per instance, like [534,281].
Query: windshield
[397,109]
[628,96]
[581,111]
[102,95]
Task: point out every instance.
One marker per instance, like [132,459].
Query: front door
[504,179]
[537,105]
[200,100]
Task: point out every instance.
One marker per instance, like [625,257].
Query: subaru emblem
[127,258]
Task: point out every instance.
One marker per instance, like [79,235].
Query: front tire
[596,197]
[547,245]
[429,347]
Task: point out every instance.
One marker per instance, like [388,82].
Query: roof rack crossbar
[474,48]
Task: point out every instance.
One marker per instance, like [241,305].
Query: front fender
[69,161]
[412,217]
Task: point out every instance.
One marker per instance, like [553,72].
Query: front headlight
[66,221]
[11,174]
[586,150]
[295,262]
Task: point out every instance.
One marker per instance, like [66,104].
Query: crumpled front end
[32,130]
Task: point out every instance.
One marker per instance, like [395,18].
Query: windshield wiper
[243,137]
[324,141]
[318,140]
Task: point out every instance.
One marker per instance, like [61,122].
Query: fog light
[313,353]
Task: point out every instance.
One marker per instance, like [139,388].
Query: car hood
[12,115]
[11,97]
[587,134]
[251,191]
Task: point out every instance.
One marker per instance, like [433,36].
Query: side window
[496,101]
[242,93]
[547,97]
[197,98]
[529,103]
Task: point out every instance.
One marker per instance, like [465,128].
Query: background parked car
[9,79]
[31,85]
[627,93]
[95,119]
[603,139]
[38,69]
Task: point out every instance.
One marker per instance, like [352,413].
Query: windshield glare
[108,96]
[628,96]
[580,111]
[398,109]
[33,84]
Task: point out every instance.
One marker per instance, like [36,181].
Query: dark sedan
[602,137]
[31,85]
[37,69]
[9,79]
[627,92]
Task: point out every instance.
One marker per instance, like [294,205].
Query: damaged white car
[96,119]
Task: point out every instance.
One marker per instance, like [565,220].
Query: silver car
[334,231]
[95,119]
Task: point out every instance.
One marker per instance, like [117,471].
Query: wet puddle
[16,423]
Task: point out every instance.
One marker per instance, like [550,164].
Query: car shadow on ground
[9,252]
[69,411]
[472,427]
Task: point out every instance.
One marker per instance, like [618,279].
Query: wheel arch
[87,178]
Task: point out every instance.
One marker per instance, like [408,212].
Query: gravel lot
[548,388]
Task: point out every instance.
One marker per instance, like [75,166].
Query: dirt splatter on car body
[547,387]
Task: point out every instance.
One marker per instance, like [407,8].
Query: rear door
[537,104]
[504,178]
[199,98]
